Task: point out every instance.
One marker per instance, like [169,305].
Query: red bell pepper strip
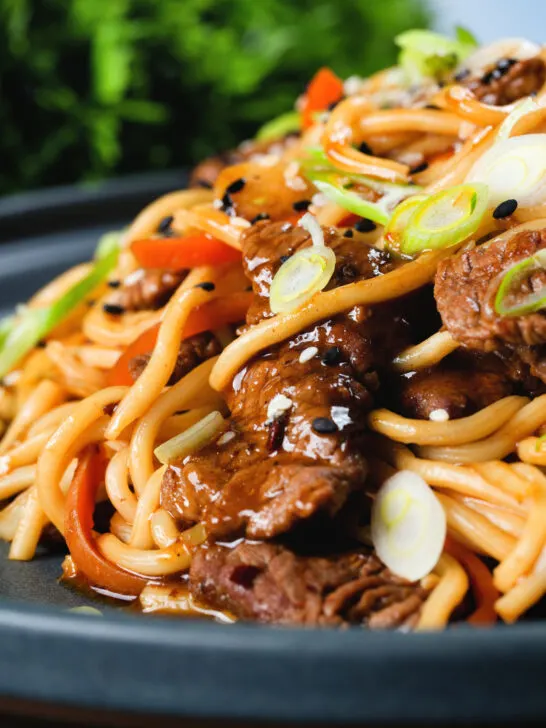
[184,252]
[220,311]
[324,89]
[80,505]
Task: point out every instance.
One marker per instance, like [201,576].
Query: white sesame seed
[439,415]
[308,353]
[352,85]
[225,438]
[319,199]
[278,406]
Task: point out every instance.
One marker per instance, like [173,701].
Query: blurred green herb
[91,88]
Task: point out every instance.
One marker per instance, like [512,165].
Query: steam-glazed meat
[149,289]
[298,411]
[192,352]
[205,174]
[458,391]
[269,583]
[509,81]
[465,289]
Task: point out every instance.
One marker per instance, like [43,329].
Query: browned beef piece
[269,583]
[205,174]
[458,391]
[192,352]
[278,470]
[466,285]
[509,81]
[267,245]
[149,289]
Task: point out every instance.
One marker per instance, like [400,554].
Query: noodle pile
[58,405]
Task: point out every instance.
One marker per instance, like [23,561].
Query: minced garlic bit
[308,353]
[225,438]
[217,204]
[277,407]
[319,199]
[439,415]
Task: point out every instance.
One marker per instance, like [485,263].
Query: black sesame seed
[164,226]
[114,309]
[332,356]
[206,286]
[365,148]
[41,344]
[227,202]
[348,233]
[259,216]
[283,259]
[462,74]
[205,184]
[419,168]
[114,283]
[365,225]
[505,209]
[301,205]
[324,426]
[236,186]
[433,107]
[505,64]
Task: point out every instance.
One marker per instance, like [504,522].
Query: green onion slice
[514,168]
[428,54]
[20,333]
[408,525]
[445,218]
[394,231]
[305,273]
[279,127]
[337,187]
[192,439]
[531,302]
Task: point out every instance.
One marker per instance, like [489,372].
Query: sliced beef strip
[205,174]
[269,583]
[192,352]
[275,472]
[150,289]
[459,392]
[466,285]
[267,245]
[508,81]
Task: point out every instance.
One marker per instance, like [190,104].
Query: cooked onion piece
[408,525]
[517,48]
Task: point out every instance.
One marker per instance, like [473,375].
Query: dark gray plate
[155,665]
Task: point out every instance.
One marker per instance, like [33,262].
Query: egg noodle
[77,431]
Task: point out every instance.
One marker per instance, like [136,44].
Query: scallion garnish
[20,333]
[528,303]
[445,218]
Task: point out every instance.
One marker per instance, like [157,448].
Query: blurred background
[97,88]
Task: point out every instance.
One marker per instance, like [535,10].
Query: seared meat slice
[192,352]
[205,174]
[150,289]
[267,245]
[466,285]
[269,583]
[298,411]
[509,81]
[459,393]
